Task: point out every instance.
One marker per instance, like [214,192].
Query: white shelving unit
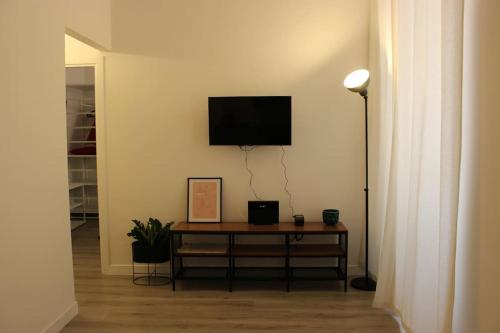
[82,167]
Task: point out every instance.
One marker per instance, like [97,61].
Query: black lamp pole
[365,282]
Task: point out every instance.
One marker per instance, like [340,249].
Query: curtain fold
[421,120]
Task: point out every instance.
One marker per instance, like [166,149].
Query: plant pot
[147,254]
[331,216]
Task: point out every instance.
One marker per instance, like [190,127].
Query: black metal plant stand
[150,277]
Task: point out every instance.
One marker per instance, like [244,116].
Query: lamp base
[364,283]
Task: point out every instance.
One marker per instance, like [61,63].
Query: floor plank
[113,304]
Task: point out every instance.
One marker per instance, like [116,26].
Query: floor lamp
[358,82]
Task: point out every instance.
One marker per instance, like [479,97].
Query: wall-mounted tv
[250,120]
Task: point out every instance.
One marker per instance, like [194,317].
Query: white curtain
[418,109]
[477,295]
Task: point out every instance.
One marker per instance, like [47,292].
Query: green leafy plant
[152,234]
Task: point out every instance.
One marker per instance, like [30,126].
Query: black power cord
[246,149]
[296,237]
[286,180]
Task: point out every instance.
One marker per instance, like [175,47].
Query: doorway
[82,168]
[81,138]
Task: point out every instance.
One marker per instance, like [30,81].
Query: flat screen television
[250,120]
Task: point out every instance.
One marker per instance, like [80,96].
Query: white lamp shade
[357,81]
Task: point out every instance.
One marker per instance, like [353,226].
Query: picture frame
[204,200]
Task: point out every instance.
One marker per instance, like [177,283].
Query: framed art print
[204,200]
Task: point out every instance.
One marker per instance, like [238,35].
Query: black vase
[331,216]
[146,254]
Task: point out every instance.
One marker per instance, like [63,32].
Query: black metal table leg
[233,259]
[229,267]
[181,263]
[287,262]
[172,260]
[345,267]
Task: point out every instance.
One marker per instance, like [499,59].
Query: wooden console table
[231,249]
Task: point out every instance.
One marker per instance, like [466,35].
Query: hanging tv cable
[286,180]
[246,149]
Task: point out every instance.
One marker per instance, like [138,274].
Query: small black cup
[331,216]
[299,220]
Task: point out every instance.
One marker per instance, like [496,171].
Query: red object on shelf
[88,150]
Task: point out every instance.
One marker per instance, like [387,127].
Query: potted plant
[152,241]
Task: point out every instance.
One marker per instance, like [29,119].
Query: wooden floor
[114,304]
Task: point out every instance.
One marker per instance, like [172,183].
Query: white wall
[36,284]
[36,280]
[79,53]
[168,60]
[89,20]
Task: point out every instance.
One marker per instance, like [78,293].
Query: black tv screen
[250,120]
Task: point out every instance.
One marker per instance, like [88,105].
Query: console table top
[245,228]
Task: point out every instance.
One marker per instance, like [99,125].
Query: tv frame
[288,143]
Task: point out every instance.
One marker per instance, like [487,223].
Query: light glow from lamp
[357,81]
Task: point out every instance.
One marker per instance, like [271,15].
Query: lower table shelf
[317,250]
[202,273]
[246,273]
[258,250]
[320,273]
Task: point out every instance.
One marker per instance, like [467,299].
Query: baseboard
[355,270]
[397,317]
[118,270]
[63,319]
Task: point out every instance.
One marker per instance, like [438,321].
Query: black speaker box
[263,212]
